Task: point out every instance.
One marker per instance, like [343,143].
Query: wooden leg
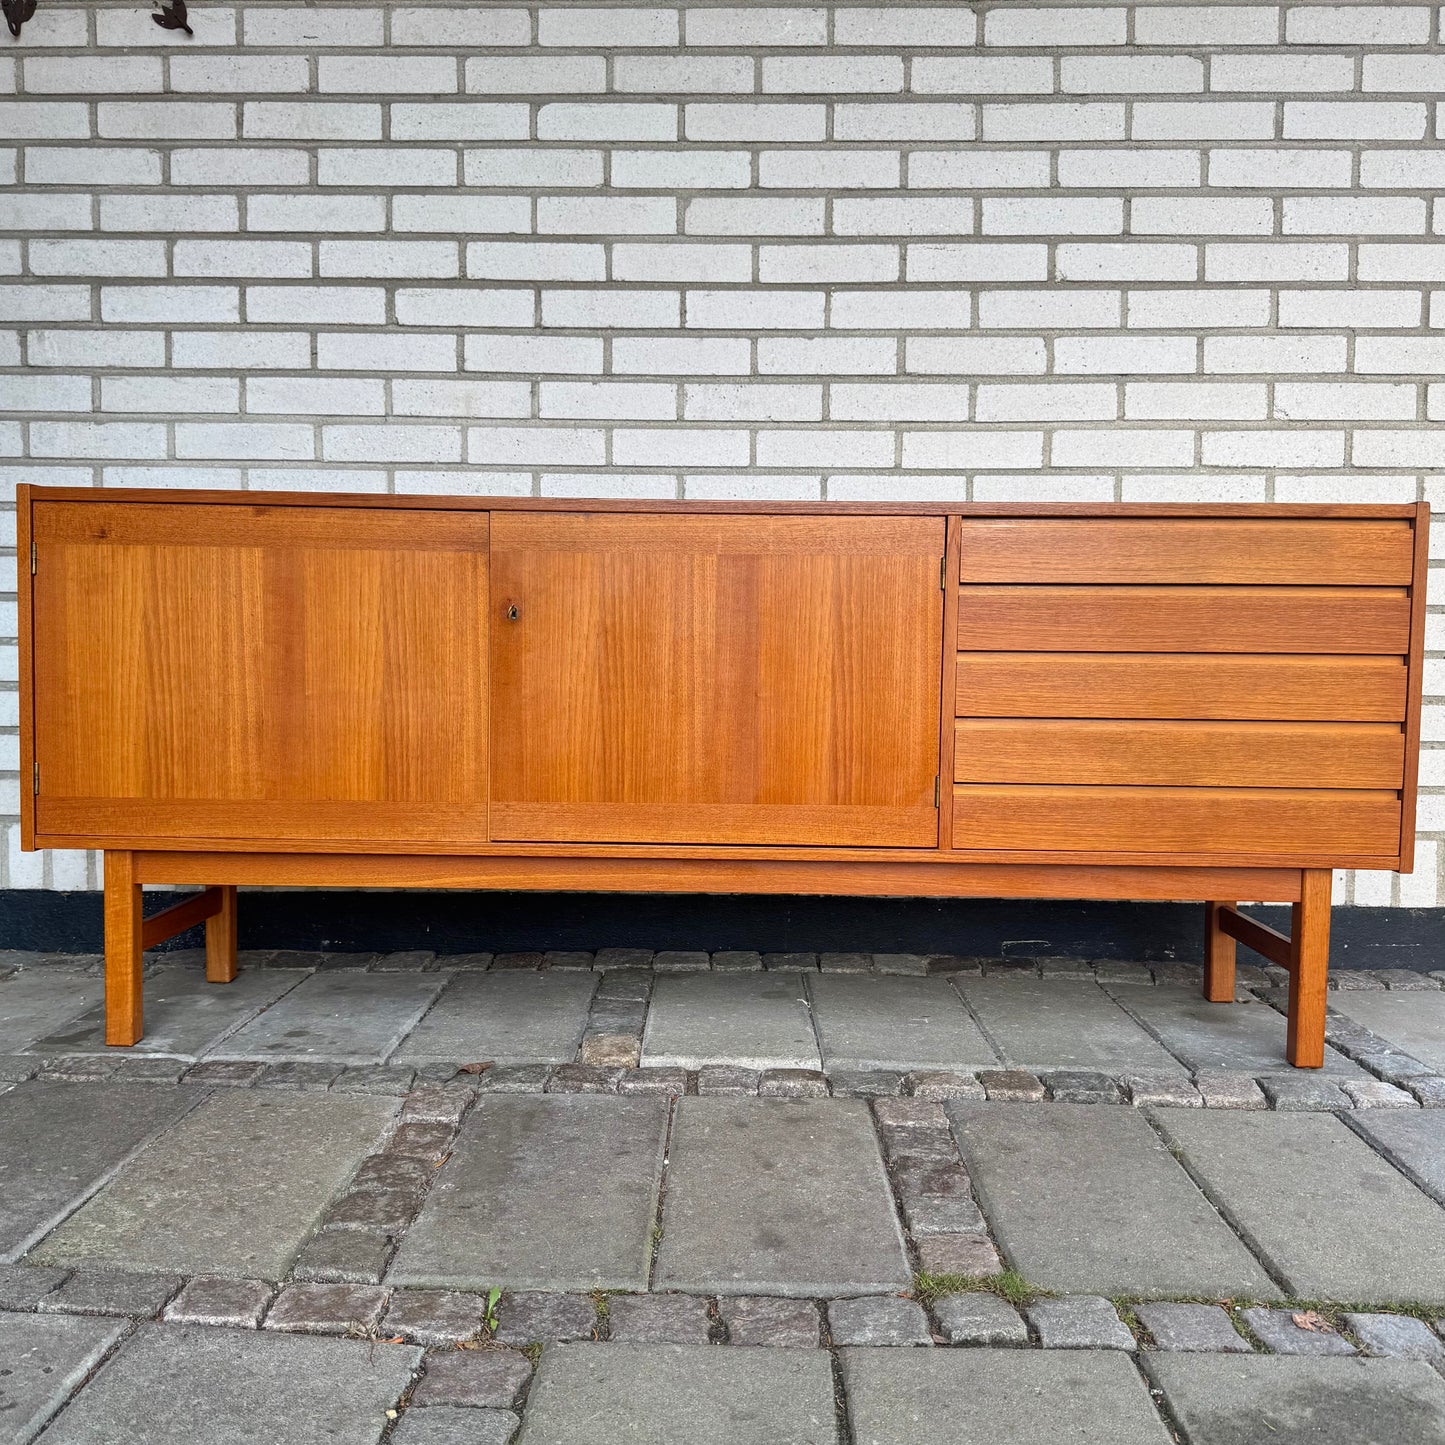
[221,940]
[1218,957]
[1309,970]
[123,1016]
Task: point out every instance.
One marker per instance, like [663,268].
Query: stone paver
[234,1189]
[42,1359]
[524,1018]
[59,1141]
[753,1021]
[449,1426]
[979,1318]
[894,1023]
[483,1379]
[998,1397]
[111,1292]
[764,1320]
[184,1015]
[22,1285]
[1401,1337]
[41,999]
[529,1316]
[882,1320]
[1087,1199]
[1192,1327]
[210,1300]
[1061,1024]
[436,1316]
[1249,1037]
[1413,1022]
[1296,1332]
[542,1191]
[176,1385]
[351,1018]
[776,1196]
[327,1309]
[671,1393]
[658,1319]
[1414,1142]
[1246,1399]
[1296,1186]
[1079,1322]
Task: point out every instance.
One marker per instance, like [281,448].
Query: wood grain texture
[1416,665]
[1268,942]
[436,502]
[124,1007]
[1168,820]
[1276,550]
[326,681]
[1219,955]
[25,621]
[1041,618]
[221,938]
[948,691]
[1309,971]
[1181,685]
[881,877]
[1180,754]
[180,916]
[723,680]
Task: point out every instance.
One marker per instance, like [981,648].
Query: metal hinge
[35,779]
[34,557]
[935,790]
[943,574]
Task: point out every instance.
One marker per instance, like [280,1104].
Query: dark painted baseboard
[461,922]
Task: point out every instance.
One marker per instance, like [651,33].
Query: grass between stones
[1008,1284]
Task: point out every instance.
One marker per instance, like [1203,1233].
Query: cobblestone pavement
[846,1199]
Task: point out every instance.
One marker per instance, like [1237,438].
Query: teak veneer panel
[1230,550]
[767,680]
[1044,618]
[1181,754]
[1181,685]
[1266,821]
[214,671]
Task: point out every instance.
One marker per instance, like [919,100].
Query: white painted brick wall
[1062,251]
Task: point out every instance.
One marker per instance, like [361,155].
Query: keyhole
[512,612]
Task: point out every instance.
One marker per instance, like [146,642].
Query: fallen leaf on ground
[1310,1320]
[476,1068]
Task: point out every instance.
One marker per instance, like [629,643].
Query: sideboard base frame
[1305,953]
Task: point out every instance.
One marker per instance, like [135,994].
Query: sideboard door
[239,672]
[716,679]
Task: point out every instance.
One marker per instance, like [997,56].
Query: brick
[683,262]
[465,28]
[385,351]
[754,216]
[388,258]
[391,443]
[756,402]
[343,305]
[528,354]
[739,310]
[1276,261]
[616,307]
[552,167]
[387,75]
[317,213]
[904,25]
[260,441]
[844,170]
[1201,215]
[1053,120]
[1084,25]
[751,121]
[1351,216]
[732,27]
[1350,308]
[1206,25]
[1126,262]
[977,261]
[165,120]
[82,257]
[466,120]
[607,215]
[832,75]
[169,213]
[536,75]
[242,258]
[1357,25]
[620,120]
[94,165]
[1062,215]
[903,216]
[1282,73]
[392,166]
[97,439]
[1203,120]
[234,166]
[681,170]
[44,120]
[1259,167]
[965,170]
[682,74]
[314,28]
[1353,120]
[1131,74]
[984,75]
[89,75]
[185,305]
[238,74]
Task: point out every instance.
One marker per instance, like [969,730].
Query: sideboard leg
[1218,957]
[221,940]
[123,950]
[1309,970]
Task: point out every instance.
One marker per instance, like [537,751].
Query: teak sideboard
[1094,701]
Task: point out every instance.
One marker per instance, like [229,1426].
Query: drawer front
[1208,686]
[1179,754]
[1180,685]
[1235,550]
[1261,821]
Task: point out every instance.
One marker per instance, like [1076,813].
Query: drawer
[1269,551]
[1180,754]
[1184,619]
[1180,685]
[1293,822]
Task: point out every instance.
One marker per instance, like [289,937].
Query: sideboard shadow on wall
[1014,701]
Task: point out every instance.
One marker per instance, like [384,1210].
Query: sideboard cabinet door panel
[716,679]
[225,672]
